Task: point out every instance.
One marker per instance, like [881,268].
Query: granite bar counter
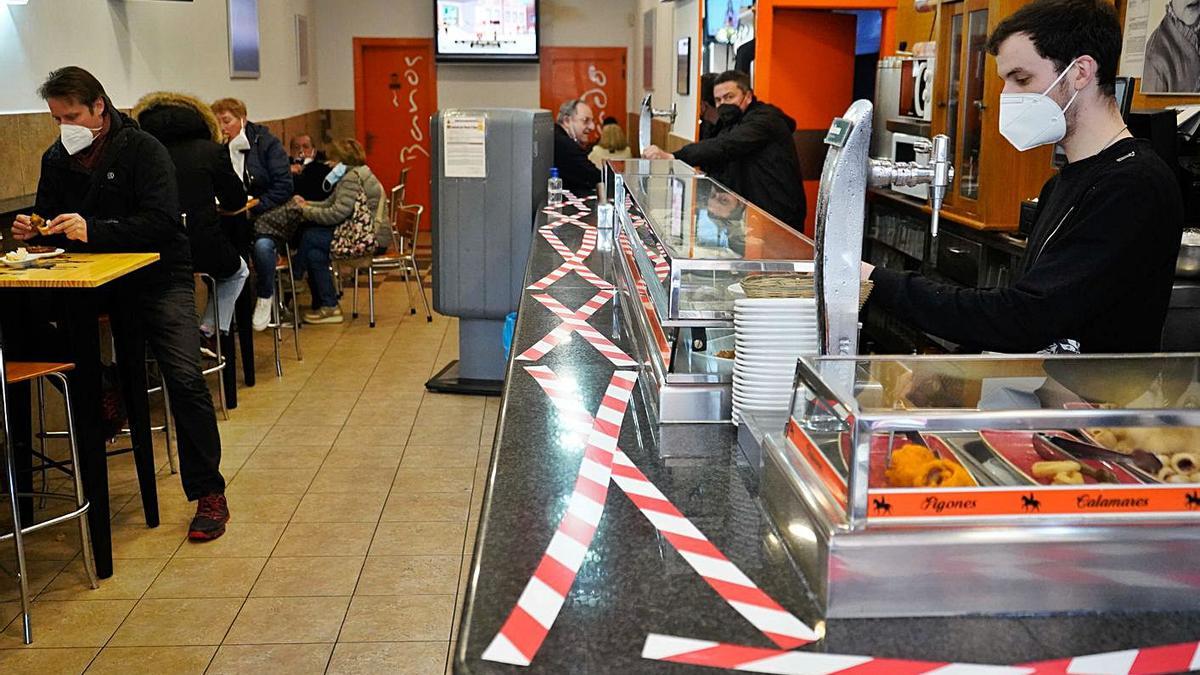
[633,582]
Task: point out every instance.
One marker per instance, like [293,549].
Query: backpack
[355,237]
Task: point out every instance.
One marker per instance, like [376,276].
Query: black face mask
[729,113]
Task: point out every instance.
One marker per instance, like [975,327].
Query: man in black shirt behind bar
[1097,272]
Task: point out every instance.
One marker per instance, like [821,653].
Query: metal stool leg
[168,429]
[277,325]
[295,304]
[421,288]
[371,293]
[41,394]
[354,302]
[18,540]
[85,538]
[211,283]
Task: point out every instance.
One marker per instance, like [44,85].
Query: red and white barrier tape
[742,594]
[782,662]
[1161,660]
[1174,658]
[576,322]
[573,261]
[538,605]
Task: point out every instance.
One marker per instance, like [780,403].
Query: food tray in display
[877,476]
[1015,449]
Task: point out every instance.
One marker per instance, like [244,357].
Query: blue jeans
[228,290]
[265,257]
[314,260]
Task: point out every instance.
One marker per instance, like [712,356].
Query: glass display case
[685,242]
[1029,483]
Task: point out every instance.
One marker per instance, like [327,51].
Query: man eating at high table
[107,187]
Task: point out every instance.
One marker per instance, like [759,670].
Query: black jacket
[310,182]
[577,172]
[203,171]
[756,158]
[130,200]
[1098,267]
[267,173]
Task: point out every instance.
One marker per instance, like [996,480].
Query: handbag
[355,236]
[279,223]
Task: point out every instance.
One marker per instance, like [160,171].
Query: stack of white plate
[770,334]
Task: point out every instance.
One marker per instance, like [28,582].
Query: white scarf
[238,148]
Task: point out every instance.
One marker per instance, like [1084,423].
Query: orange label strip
[817,461]
[1032,501]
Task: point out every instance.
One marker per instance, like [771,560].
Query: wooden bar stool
[14,373]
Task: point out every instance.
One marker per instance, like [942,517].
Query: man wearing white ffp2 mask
[1108,225]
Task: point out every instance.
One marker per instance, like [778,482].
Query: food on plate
[914,465]
[40,224]
[40,249]
[1178,448]
[19,255]
[1051,469]
[726,354]
[1068,478]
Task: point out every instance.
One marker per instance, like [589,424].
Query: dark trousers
[166,316]
[314,260]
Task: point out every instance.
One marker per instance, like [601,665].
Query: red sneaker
[212,512]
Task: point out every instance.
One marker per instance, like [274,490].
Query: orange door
[816,87]
[595,74]
[395,95]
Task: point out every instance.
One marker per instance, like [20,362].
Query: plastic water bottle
[554,188]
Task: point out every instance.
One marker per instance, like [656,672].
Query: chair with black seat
[18,372]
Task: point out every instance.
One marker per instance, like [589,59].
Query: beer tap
[936,172]
[648,113]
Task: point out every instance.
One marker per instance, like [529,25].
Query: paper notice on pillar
[464,145]
[1137,29]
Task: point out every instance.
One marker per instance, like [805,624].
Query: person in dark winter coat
[259,158]
[191,134]
[575,124]
[107,186]
[309,168]
[751,151]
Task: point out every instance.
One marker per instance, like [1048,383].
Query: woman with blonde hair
[349,177]
[612,145]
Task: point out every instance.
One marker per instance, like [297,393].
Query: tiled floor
[355,497]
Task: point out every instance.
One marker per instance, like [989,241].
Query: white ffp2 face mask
[75,138]
[1030,120]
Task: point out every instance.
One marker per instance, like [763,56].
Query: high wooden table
[75,286]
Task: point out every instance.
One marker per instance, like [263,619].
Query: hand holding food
[71,224]
[22,228]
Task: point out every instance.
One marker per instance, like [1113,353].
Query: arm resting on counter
[743,139]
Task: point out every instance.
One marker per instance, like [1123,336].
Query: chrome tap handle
[943,175]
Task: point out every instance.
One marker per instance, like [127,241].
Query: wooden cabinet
[991,177]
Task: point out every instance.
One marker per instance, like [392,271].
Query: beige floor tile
[271,481]
[352,480]
[8,611]
[370,435]
[400,538]
[308,577]
[46,661]
[286,457]
[303,435]
[340,508]
[410,575]
[56,543]
[378,457]
[244,540]
[207,578]
[325,540]
[134,540]
[250,507]
[347,383]
[434,479]
[447,433]
[171,622]
[426,506]
[238,433]
[396,658]
[152,660]
[390,418]
[312,414]
[308,659]
[131,577]
[288,621]
[379,408]
[70,624]
[41,574]
[398,618]
[432,456]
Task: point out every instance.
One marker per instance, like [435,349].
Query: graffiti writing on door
[416,133]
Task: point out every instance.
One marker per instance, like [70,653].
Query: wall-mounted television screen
[487,30]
